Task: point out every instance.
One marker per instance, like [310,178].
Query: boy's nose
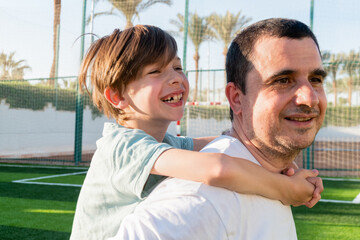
[175,78]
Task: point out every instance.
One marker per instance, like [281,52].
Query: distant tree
[70,84]
[56,24]
[130,8]
[351,67]
[332,63]
[10,69]
[226,27]
[198,31]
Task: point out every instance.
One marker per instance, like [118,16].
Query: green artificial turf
[33,211]
[328,221]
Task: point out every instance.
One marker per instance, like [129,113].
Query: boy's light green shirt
[118,179]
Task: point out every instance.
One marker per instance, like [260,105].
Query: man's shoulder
[224,144]
[230,146]
[172,188]
[178,187]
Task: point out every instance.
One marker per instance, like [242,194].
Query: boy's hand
[317,183]
[319,188]
[299,190]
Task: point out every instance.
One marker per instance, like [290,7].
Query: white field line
[356,199]
[30,180]
[341,179]
[340,201]
[35,166]
[53,184]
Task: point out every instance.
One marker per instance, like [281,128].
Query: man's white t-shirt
[181,209]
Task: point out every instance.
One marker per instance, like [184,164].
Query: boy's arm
[235,174]
[200,143]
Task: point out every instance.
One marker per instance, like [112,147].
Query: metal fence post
[79,100]
[185,33]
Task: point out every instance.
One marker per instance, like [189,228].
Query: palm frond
[149,3]
[228,25]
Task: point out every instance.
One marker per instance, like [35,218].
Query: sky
[26,27]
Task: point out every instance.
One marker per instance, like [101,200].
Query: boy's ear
[234,95]
[115,98]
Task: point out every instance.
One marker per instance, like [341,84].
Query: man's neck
[268,159]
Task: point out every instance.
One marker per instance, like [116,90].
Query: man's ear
[113,97]
[233,95]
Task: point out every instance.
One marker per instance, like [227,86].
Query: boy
[137,79]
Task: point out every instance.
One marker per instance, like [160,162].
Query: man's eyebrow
[319,72]
[282,73]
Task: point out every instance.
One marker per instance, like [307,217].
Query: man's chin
[302,141]
[300,145]
[297,143]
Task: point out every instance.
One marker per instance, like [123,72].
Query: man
[275,90]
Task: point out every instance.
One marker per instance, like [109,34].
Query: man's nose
[306,95]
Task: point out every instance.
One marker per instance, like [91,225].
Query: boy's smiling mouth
[173,98]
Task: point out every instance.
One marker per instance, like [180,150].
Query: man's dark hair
[238,62]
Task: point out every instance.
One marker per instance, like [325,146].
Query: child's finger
[319,188]
[289,172]
[316,198]
[318,183]
[307,173]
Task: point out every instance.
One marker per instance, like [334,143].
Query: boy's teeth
[173,99]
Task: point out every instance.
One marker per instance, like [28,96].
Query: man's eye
[317,80]
[178,68]
[284,80]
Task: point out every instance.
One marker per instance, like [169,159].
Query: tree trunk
[129,24]
[334,87]
[225,53]
[196,58]
[335,92]
[350,90]
[57,11]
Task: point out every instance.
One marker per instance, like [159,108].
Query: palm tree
[11,69]
[226,27]
[57,11]
[199,31]
[130,8]
[351,66]
[332,63]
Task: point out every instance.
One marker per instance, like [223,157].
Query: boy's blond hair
[117,59]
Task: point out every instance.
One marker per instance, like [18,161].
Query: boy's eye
[179,68]
[154,71]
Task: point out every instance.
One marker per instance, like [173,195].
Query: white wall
[27,133]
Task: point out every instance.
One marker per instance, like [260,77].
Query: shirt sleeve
[179,142]
[133,159]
